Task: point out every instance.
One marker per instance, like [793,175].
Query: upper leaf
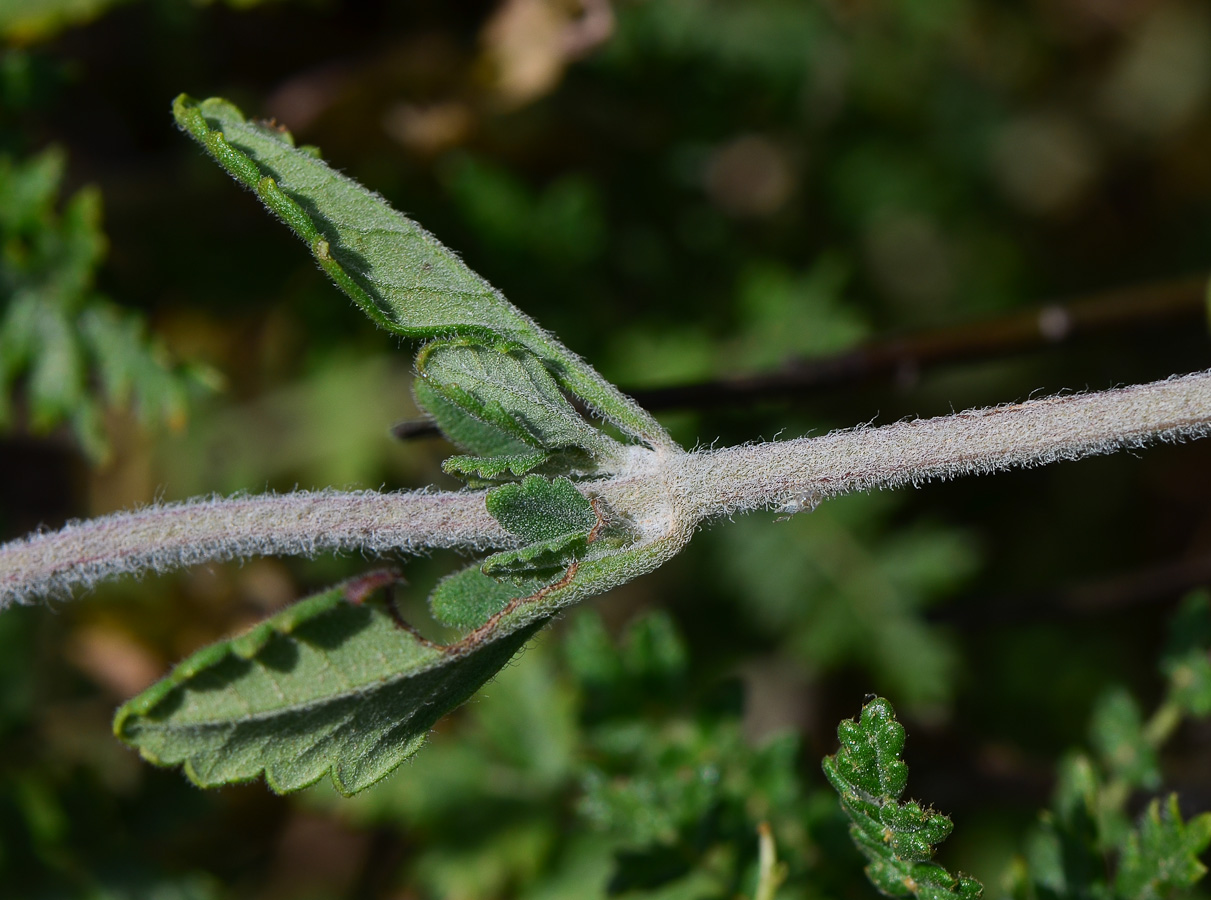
[397,272]
[484,440]
[897,838]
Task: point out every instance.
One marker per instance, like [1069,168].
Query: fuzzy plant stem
[800,473]
[168,536]
[670,491]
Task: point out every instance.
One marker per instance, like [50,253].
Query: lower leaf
[330,686]
[339,686]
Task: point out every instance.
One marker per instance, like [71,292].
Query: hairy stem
[164,537]
[663,493]
[804,471]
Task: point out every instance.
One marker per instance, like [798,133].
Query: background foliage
[703,188]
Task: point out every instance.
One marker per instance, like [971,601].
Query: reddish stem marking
[476,637]
[595,532]
[358,590]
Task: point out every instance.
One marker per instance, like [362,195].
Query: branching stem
[682,488]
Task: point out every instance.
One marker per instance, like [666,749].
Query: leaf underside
[328,686]
[399,274]
[511,393]
[347,688]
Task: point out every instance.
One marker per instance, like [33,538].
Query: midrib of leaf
[399,274]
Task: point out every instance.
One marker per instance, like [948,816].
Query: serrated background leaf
[1187,660]
[1117,731]
[897,838]
[1161,855]
[77,352]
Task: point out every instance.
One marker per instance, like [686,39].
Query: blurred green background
[682,190]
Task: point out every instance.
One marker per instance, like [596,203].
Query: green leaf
[73,349]
[510,392]
[327,686]
[1187,661]
[1076,795]
[465,431]
[1190,682]
[897,838]
[1190,628]
[348,689]
[493,467]
[840,588]
[552,516]
[599,571]
[537,559]
[1161,855]
[1117,732]
[647,667]
[670,778]
[469,598]
[397,272]
[540,510]
[496,384]
[1064,853]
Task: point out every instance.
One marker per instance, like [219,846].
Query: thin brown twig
[1050,325]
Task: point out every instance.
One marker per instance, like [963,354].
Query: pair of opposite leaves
[347,688]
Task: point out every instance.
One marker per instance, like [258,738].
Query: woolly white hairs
[663,493]
[974,442]
[169,536]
